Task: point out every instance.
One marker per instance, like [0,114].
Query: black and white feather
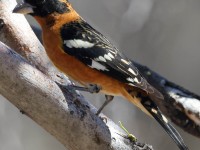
[94,50]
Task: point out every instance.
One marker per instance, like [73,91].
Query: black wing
[93,49]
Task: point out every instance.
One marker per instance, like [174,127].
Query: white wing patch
[101,58]
[111,56]
[98,66]
[135,80]
[125,61]
[83,35]
[132,71]
[130,79]
[106,56]
[77,43]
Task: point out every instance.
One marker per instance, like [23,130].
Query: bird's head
[42,8]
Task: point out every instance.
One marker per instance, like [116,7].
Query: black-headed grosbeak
[85,55]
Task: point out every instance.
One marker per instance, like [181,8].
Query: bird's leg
[109,98]
[92,88]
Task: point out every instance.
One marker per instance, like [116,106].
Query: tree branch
[72,121]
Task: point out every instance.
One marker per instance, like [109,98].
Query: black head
[42,7]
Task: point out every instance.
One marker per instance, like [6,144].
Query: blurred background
[161,34]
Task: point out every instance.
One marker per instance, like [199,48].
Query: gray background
[162,34]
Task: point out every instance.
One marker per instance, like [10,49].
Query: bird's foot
[109,98]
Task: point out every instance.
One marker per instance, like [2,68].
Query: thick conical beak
[23,8]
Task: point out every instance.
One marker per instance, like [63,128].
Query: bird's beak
[23,8]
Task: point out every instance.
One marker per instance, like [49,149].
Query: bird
[88,57]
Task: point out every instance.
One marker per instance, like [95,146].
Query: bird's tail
[147,105]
